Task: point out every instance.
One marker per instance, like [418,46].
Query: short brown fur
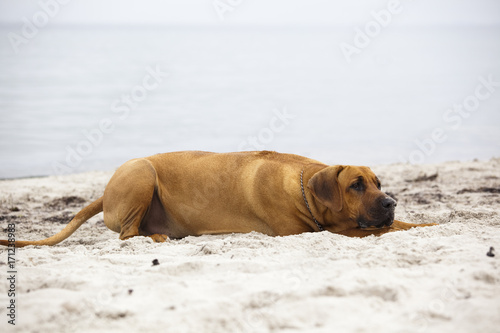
[175,195]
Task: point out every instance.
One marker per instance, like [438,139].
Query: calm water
[83,99]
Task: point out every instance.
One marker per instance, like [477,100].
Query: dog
[178,194]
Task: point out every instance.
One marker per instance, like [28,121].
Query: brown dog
[175,195]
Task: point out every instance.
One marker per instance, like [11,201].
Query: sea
[83,98]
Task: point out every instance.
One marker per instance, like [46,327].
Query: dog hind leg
[127,198]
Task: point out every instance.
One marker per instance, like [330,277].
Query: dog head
[353,193]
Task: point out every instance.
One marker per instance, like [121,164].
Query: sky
[249,12]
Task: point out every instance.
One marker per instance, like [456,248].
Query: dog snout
[388,203]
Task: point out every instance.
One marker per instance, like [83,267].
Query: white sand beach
[433,279]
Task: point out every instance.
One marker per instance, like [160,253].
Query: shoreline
[433,279]
[371,166]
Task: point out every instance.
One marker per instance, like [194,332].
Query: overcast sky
[251,12]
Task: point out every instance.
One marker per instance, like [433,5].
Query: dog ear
[324,185]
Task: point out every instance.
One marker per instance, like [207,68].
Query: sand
[434,279]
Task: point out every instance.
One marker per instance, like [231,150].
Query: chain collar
[320,227]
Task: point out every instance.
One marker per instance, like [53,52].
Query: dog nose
[389,203]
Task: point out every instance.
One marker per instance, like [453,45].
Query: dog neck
[320,227]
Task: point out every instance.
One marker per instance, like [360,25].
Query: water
[224,89]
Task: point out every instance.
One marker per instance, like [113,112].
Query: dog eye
[379,186]
[358,186]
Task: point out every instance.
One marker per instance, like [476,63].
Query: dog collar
[320,227]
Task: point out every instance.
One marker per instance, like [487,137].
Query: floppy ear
[324,185]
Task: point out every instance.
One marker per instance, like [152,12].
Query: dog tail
[82,216]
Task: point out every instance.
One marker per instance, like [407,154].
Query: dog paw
[158,238]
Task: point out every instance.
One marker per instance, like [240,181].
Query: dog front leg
[396,226]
